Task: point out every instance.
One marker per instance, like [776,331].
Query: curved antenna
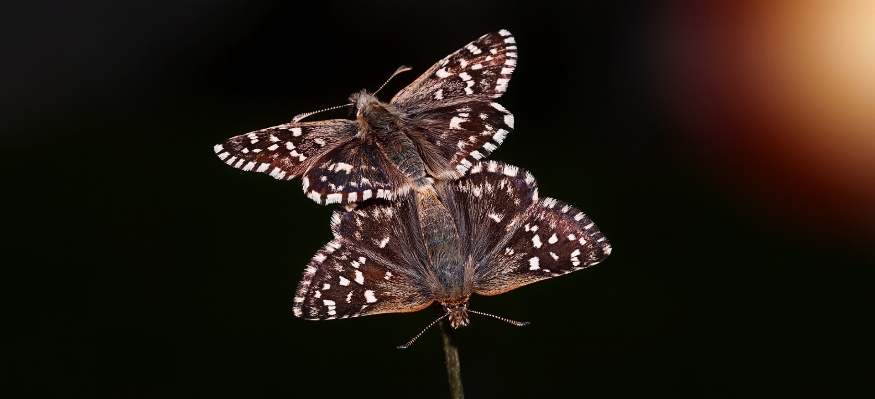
[306,114]
[402,68]
[516,323]
[407,345]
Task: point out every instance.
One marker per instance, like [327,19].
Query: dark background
[136,264]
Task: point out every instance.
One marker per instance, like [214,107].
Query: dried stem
[451,356]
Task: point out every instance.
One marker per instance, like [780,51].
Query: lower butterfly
[433,129]
[486,233]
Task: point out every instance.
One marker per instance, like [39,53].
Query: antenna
[297,118]
[407,345]
[402,68]
[304,115]
[516,323]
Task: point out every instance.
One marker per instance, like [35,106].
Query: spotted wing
[517,238]
[479,71]
[285,151]
[487,204]
[454,137]
[374,265]
[355,171]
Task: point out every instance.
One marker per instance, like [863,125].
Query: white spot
[468,89]
[349,297]
[329,302]
[510,62]
[533,263]
[231,160]
[493,51]
[344,282]
[320,142]
[314,196]
[318,294]
[501,84]
[508,251]
[465,77]
[369,296]
[355,264]
[362,259]
[477,155]
[256,150]
[554,256]
[290,146]
[536,241]
[504,32]
[575,253]
[344,167]
[442,73]
[319,258]
[252,135]
[359,277]
[508,120]
[253,141]
[383,242]
[500,135]
[352,197]
[510,55]
[579,216]
[249,166]
[223,155]
[506,71]
[388,275]
[296,131]
[439,95]
[572,237]
[553,239]
[273,147]
[245,150]
[498,107]
[326,286]
[463,63]
[273,139]
[239,163]
[511,170]
[589,226]
[333,198]
[454,123]
[535,194]
[476,67]
[473,49]
[305,182]
[217,148]
[489,147]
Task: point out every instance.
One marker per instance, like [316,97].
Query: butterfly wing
[478,71]
[517,238]
[372,266]
[285,151]
[451,118]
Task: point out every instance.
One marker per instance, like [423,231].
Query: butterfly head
[458,314]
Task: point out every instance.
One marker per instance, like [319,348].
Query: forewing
[457,136]
[480,70]
[354,171]
[487,205]
[550,239]
[285,151]
[372,266]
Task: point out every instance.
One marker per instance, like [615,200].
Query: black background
[136,264]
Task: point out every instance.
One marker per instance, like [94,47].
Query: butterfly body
[434,129]
[486,233]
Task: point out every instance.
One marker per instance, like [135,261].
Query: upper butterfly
[435,128]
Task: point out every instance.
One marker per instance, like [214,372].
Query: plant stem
[451,356]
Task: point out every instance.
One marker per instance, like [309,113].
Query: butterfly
[486,233]
[433,129]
